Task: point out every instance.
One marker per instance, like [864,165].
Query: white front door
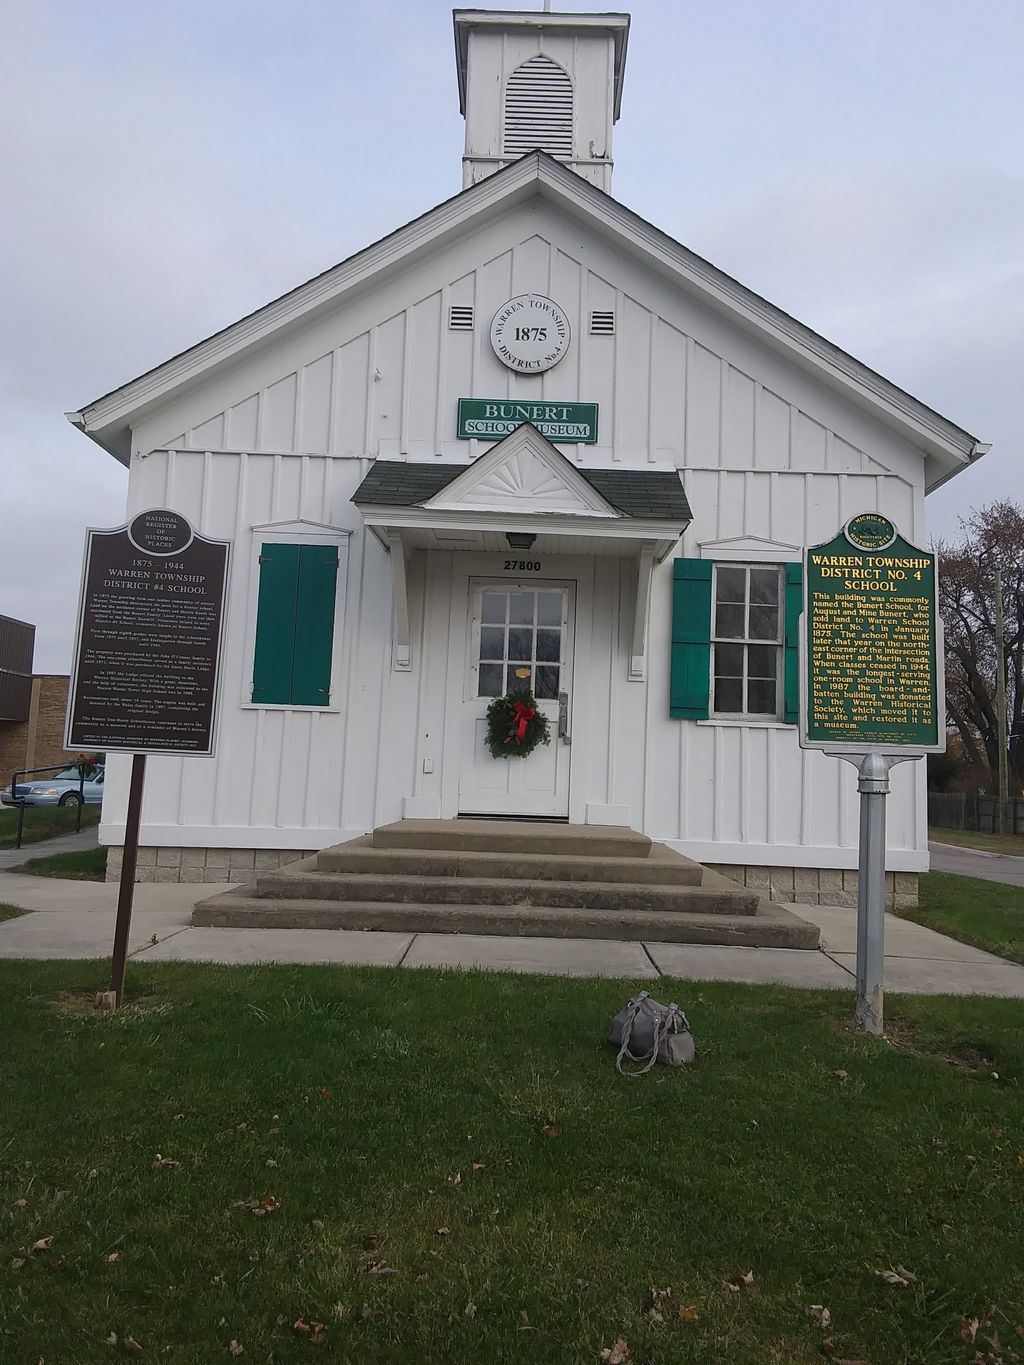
[520,636]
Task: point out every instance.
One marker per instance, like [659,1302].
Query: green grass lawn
[468,1133]
[10,912]
[88,866]
[43,822]
[988,843]
[988,915]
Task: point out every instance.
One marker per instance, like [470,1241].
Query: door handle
[563,718]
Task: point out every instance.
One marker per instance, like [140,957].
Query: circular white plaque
[530,333]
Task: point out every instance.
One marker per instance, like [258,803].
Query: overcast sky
[169,165]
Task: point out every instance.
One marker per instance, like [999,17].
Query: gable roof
[648,494]
[948,447]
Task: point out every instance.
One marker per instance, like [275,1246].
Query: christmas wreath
[514,725]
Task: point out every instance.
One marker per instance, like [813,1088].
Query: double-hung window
[748,637]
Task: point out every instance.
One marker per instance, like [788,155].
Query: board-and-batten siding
[767,452]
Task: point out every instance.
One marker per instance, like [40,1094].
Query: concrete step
[772,927]
[662,867]
[509,836]
[496,891]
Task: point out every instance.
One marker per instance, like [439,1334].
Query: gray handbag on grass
[646,1032]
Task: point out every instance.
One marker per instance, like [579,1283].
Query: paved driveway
[972,862]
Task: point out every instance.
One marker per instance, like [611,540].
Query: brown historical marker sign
[148,649]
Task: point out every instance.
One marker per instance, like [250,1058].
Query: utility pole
[1002,737]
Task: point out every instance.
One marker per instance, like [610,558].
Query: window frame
[775,717]
[297,533]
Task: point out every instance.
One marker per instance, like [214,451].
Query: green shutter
[275,624]
[791,674]
[314,625]
[295,625]
[690,685]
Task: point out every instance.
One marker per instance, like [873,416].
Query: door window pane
[549,609]
[492,607]
[515,683]
[490,680]
[520,608]
[547,682]
[520,643]
[492,642]
[549,645]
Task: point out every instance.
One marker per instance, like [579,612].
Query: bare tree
[990,536]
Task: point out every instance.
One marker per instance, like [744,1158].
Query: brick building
[32,705]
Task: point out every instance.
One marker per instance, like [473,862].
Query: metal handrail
[53,768]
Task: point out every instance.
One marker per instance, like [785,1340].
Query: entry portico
[510,544]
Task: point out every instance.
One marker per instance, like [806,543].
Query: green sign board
[871,642]
[490,419]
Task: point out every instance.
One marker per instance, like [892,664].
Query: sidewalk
[75,920]
[63,843]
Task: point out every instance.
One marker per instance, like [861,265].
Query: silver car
[64,789]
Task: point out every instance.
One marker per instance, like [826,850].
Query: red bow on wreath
[523,715]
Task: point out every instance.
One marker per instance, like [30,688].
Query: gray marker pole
[873,785]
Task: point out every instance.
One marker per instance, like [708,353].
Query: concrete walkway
[975,862]
[76,920]
[64,843]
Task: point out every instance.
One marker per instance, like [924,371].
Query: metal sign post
[147,663]
[871,694]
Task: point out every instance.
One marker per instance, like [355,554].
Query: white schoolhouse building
[528,439]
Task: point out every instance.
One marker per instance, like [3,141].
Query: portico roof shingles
[649,494]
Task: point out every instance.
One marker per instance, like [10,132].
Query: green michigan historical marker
[871,642]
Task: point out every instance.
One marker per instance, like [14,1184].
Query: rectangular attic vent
[460,317]
[602,323]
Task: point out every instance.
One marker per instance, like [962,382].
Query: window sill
[286,706]
[747,722]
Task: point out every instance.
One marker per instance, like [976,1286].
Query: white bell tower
[528,80]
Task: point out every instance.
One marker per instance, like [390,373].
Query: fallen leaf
[317,1225]
[325,1093]
[165,1163]
[552,1132]
[470,1309]
[482,1166]
[113,1256]
[741,1281]
[1020,1160]
[270,1161]
[17,1262]
[615,1354]
[235,1347]
[259,1208]
[337,1310]
[690,1314]
[969,1330]
[442,1232]
[132,1345]
[366,1313]
[820,1315]
[377,1268]
[112,1339]
[524,1317]
[841,1075]
[44,1244]
[301,1326]
[900,1277]
[93,1173]
[455,1179]
[23,1203]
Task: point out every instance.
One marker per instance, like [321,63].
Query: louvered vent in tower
[460,317]
[602,323]
[538,109]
